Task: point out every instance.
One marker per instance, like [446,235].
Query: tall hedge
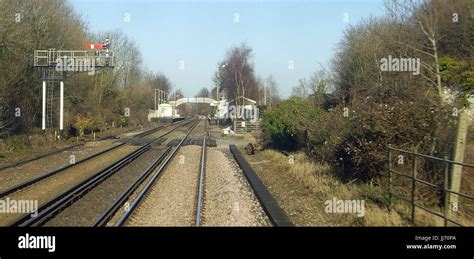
[285,125]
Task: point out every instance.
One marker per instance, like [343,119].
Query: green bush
[284,126]
[326,133]
[124,120]
[87,123]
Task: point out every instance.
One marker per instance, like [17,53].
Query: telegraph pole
[218,81]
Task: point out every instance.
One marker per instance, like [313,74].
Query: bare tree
[426,18]
[204,92]
[24,27]
[159,81]
[236,76]
[301,90]
[271,91]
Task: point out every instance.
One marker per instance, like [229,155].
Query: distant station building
[243,113]
[165,110]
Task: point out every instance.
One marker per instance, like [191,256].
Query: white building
[164,111]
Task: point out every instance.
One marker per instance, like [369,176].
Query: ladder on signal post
[49,104]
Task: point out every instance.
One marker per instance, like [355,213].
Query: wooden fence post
[389,157]
[413,186]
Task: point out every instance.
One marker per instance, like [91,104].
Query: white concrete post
[61,107]
[43,114]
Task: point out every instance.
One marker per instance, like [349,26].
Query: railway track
[19,163]
[104,218]
[136,190]
[167,199]
[48,209]
[32,181]
[201,182]
[141,195]
[26,161]
[100,198]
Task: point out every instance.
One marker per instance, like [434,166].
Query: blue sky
[199,33]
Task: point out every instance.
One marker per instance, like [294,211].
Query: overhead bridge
[209,101]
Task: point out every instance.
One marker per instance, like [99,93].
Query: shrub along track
[58,184]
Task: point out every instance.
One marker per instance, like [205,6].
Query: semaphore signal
[104,45]
[53,66]
[94,46]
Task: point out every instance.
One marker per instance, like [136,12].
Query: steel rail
[47,175]
[150,183]
[39,157]
[50,208]
[59,170]
[105,217]
[19,163]
[202,173]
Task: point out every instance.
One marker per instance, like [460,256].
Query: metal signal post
[53,66]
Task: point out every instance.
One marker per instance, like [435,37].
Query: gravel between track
[16,175]
[86,210]
[176,134]
[12,176]
[229,199]
[170,202]
[53,186]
